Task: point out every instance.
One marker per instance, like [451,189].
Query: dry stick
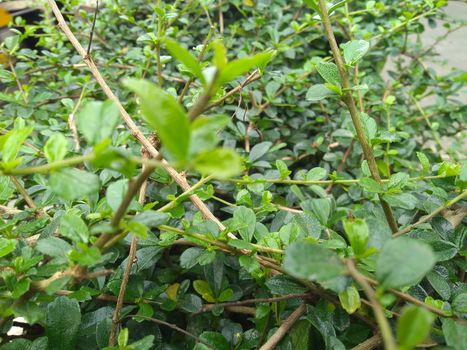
[176,328]
[386,332]
[207,307]
[131,258]
[284,328]
[431,215]
[348,99]
[126,117]
[370,343]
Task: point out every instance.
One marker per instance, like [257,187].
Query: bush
[264,187]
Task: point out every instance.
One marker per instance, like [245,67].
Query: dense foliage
[333,199]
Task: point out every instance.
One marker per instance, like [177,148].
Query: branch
[348,99]
[370,343]
[388,338]
[176,328]
[432,215]
[126,117]
[284,328]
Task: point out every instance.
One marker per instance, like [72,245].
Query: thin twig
[91,34]
[386,332]
[348,99]
[432,215]
[284,328]
[176,328]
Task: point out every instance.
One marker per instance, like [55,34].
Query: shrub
[231,175]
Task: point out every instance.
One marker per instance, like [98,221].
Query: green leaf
[86,256]
[219,162]
[74,228]
[424,161]
[398,181]
[350,299]
[97,120]
[217,341]
[165,115]
[14,141]
[318,92]
[313,4]
[283,285]
[283,169]
[316,174]
[21,288]
[56,147]
[189,257]
[204,132]
[184,56]
[454,333]
[459,304]
[449,169]
[401,200]
[72,184]
[403,262]
[413,326]
[203,288]
[312,261]
[62,323]
[115,193]
[357,232]
[53,247]
[123,338]
[245,220]
[354,50]
[329,73]
[240,66]
[370,185]
[7,246]
[369,126]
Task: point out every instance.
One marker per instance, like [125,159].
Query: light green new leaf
[350,299]
[357,232]
[7,246]
[219,162]
[62,324]
[240,66]
[56,147]
[185,57]
[403,262]
[204,132]
[413,326]
[313,4]
[318,92]
[97,120]
[329,72]
[165,115]
[245,219]
[13,140]
[312,261]
[72,184]
[74,228]
[354,50]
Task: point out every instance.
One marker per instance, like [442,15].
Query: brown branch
[284,328]
[348,99]
[370,343]
[176,328]
[29,201]
[386,332]
[127,118]
[208,307]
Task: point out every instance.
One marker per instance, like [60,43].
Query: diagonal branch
[180,179]
[348,99]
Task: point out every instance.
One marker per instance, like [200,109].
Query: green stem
[47,168]
[348,99]
[324,182]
